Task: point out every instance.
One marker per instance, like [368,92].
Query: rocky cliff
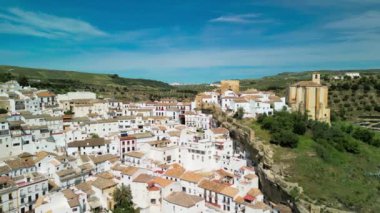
[274,186]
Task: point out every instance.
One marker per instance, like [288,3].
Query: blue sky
[191,41]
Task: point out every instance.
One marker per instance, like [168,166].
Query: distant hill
[280,81]
[114,86]
[106,85]
[85,78]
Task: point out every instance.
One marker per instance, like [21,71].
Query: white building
[352,74]
[91,146]
[30,188]
[198,120]
[182,202]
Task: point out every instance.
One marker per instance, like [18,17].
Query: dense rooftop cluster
[69,152]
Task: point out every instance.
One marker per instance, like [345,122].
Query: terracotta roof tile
[175,172]
[161,181]
[130,170]
[254,192]
[211,185]
[230,191]
[89,142]
[143,178]
[220,130]
[135,154]
[102,183]
[191,177]
[45,94]
[183,199]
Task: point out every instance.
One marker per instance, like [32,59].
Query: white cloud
[367,20]
[17,21]
[239,18]
[323,56]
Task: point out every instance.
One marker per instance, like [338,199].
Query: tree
[3,111]
[23,81]
[122,197]
[239,114]
[6,77]
[94,135]
[68,112]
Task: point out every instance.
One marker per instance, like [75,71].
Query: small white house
[183,202]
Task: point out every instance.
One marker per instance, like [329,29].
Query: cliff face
[274,186]
[261,156]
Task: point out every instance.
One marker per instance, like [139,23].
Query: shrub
[261,118]
[299,128]
[334,136]
[363,134]
[350,145]
[239,114]
[346,86]
[285,138]
[366,87]
[354,87]
[367,108]
[377,108]
[377,86]
[375,142]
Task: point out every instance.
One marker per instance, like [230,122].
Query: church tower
[316,78]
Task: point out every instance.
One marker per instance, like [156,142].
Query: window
[153,201]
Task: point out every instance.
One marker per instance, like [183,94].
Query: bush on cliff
[285,138]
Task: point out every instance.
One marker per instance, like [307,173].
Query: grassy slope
[342,182]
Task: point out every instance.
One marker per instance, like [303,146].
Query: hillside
[106,85]
[336,166]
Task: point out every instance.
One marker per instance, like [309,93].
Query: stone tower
[316,78]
